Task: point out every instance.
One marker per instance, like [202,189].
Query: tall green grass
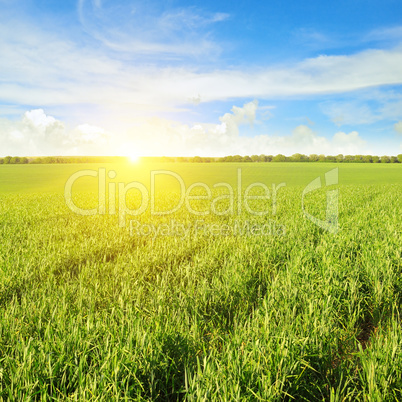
[89,312]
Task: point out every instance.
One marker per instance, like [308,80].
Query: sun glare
[132,153]
[134,158]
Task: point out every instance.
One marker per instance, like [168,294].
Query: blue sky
[206,78]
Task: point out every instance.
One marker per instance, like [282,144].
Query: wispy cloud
[140,28]
[40,69]
[314,40]
[384,34]
[350,113]
[370,107]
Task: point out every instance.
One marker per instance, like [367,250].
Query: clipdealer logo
[108,192]
[331,223]
[236,202]
[202,228]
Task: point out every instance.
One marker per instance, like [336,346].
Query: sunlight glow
[134,158]
[130,151]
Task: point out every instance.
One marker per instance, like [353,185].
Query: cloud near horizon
[37,134]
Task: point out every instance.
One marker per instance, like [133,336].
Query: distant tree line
[16,160]
[199,159]
[282,158]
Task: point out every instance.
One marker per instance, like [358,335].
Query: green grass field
[51,178]
[94,311]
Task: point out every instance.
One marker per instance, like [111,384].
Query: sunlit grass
[88,311]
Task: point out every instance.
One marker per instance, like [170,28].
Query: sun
[134,158]
[129,151]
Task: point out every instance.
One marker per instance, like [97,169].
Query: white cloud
[88,134]
[195,100]
[39,121]
[350,143]
[39,134]
[304,140]
[163,137]
[240,115]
